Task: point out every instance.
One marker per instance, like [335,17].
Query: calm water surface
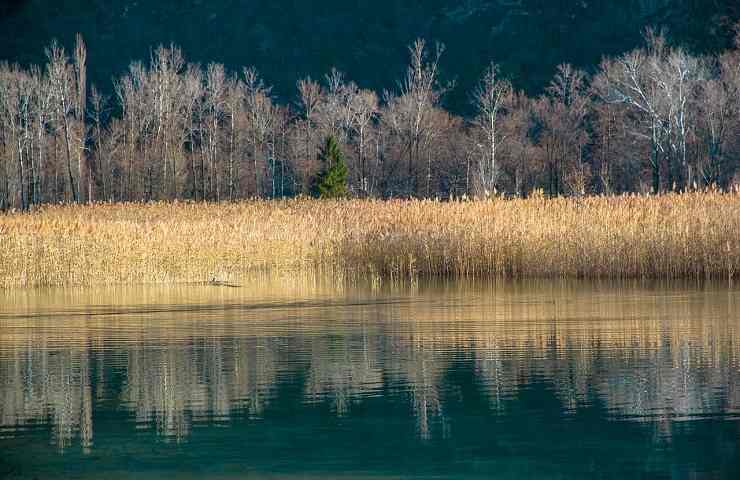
[306,379]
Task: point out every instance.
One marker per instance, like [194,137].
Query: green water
[304,378]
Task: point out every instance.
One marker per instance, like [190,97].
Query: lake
[308,378]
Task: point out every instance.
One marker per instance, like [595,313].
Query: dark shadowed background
[288,39]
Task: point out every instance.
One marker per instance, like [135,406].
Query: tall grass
[693,235]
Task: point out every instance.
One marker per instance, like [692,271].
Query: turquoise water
[286,378]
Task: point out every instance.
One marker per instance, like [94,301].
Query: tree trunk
[231,160]
[257,189]
[21,185]
[68,149]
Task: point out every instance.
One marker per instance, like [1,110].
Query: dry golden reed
[693,235]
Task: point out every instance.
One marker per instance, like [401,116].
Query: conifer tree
[332,181]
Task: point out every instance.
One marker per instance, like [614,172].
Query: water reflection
[169,386]
[43,385]
[175,358]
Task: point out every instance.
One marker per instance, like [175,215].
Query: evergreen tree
[331,182]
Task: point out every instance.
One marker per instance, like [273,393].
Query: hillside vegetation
[655,119]
[287,39]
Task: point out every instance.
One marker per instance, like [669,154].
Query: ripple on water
[447,379]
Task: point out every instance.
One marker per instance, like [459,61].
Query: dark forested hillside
[559,97]
[288,39]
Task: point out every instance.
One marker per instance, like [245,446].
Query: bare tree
[102,149]
[570,105]
[718,125]
[16,112]
[80,71]
[235,94]
[190,131]
[260,111]
[677,76]
[660,85]
[134,94]
[518,149]
[489,99]
[215,104]
[363,110]
[561,133]
[61,76]
[42,106]
[652,119]
[334,111]
[408,114]
[167,65]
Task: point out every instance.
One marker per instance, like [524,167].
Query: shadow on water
[309,378]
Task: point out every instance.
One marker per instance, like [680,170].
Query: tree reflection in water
[656,355]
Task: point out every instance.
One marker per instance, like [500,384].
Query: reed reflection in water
[445,378]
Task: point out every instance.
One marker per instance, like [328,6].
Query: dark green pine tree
[331,182]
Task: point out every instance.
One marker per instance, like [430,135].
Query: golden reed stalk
[692,235]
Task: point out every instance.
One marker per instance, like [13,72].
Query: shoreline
[688,236]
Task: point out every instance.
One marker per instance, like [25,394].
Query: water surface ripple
[305,378]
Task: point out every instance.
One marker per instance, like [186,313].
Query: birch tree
[490,102]
[167,65]
[260,111]
[363,110]
[215,108]
[66,98]
[80,74]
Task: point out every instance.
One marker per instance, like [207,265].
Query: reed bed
[692,235]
